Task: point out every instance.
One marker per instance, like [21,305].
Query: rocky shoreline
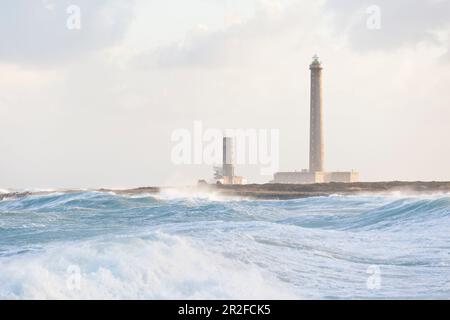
[290,191]
[295,191]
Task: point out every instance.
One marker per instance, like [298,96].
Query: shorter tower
[228,159]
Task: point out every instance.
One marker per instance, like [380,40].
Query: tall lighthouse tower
[316,173]
[316,141]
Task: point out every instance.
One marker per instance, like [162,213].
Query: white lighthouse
[316,143]
[316,173]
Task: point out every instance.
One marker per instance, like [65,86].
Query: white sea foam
[168,267]
[136,196]
[194,195]
[191,247]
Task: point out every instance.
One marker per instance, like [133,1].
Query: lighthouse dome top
[316,62]
[316,59]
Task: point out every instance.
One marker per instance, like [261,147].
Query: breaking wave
[94,245]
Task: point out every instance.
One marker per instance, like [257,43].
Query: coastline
[296,191]
[276,191]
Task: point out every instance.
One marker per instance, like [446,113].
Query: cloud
[35,32]
[272,27]
[402,22]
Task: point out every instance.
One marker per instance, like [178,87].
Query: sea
[175,245]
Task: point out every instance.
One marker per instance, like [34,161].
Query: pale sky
[96,107]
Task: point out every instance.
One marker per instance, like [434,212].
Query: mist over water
[174,245]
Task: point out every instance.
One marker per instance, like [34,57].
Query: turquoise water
[102,245]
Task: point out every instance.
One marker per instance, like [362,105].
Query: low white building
[304,177]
